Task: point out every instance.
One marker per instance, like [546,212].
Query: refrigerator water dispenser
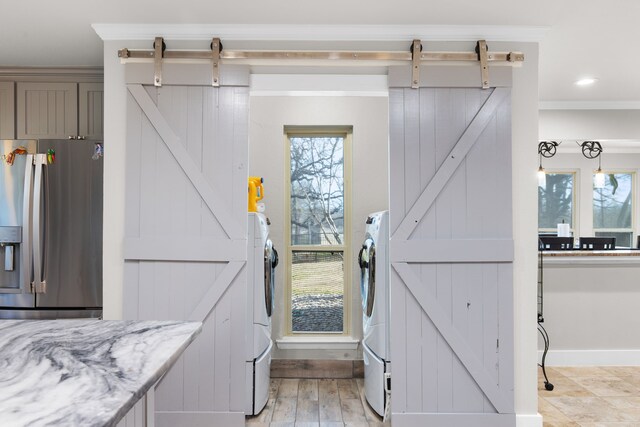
[9,237]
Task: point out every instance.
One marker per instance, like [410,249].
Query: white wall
[590,307]
[370,189]
[115,101]
[576,162]
[589,124]
[525,219]
[591,310]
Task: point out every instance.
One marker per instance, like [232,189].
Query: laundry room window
[318,263]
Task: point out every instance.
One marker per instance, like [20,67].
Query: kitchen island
[83,372]
[591,301]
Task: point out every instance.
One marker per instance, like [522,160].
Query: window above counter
[613,207]
[569,195]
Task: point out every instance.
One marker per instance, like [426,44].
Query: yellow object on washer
[256,192]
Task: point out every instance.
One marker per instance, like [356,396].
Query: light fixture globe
[542,177]
[546,149]
[599,179]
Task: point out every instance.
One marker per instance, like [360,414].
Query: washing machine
[262,259]
[374,288]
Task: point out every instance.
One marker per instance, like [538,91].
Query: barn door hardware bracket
[483,57]
[415,56]
[416,48]
[159,47]
[216,48]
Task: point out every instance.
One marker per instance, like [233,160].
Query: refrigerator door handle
[25,249]
[38,285]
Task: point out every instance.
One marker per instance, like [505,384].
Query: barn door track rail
[415,55]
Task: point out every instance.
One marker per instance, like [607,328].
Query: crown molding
[52,74]
[589,105]
[507,33]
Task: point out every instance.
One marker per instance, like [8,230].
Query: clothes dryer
[262,259]
[374,288]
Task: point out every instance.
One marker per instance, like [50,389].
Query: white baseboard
[592,358]
[405,419]
[529,420]
[477,420]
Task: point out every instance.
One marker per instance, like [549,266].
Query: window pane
[317,190]
[317,283]
[612,204]
[555,201]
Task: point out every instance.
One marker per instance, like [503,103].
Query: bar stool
[597,243]
[553,243]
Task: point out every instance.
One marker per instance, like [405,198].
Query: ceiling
[584,37]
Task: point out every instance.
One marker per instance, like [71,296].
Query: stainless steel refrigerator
[50,229]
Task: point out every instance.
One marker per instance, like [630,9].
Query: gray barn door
[451,254]
[185,246]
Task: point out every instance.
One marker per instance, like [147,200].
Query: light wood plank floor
[582,397]
[316,403]
[590,397]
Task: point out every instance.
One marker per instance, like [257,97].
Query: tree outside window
[317,190]
[556,201]
[613,208]
[317,240]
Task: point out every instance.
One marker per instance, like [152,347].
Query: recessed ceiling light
[586,81]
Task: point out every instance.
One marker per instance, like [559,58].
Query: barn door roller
[416,56]
[416,48]
[159,47]
[481,50]
[216,48]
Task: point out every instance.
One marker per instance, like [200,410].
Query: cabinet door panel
[90,110]
[7,111]
[47,110]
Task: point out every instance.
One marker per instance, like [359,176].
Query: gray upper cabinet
[57,110]
[47,110]
[90,108]
[7,110]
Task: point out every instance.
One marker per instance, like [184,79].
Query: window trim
[634,202]
[305,131]
[575,214]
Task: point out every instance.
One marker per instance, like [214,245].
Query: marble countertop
[583,253]
[83,372]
